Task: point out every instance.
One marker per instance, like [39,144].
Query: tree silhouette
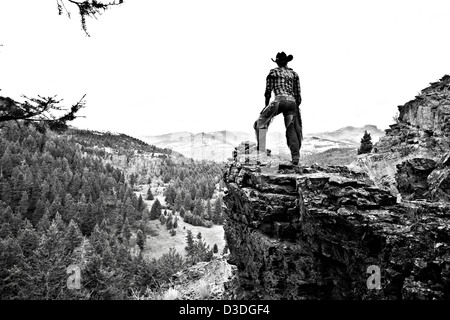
[155,211]
[39,112]
[150,194]
[140,239]
[86,8]
[366,143]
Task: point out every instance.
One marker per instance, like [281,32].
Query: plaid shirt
[283,81]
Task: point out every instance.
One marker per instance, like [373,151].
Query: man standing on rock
[285,84]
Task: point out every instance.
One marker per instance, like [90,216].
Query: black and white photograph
[225,155]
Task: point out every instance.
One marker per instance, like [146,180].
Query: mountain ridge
[219,145]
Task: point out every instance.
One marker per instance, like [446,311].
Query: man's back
[283,81]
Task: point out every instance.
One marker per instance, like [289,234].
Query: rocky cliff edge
[377,229]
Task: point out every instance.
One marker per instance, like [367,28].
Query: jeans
[292,122]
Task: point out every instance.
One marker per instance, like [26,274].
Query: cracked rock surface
[312,232]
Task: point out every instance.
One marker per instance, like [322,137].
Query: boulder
[412,177]
[439,180]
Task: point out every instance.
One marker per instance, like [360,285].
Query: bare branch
[87,8]
[61,6]
[40,112]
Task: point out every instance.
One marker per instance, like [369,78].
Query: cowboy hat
[281,57]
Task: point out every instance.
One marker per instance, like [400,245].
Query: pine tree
[24,204]
[6,192]
[133,179]
[5,231]
[70,208]
[155,211]
[126,230]
[198,207]
[118,224]
[39,212]
[6,165]
[11,269]
[88,220]
[169,264]
[7,215]
[95,281]
[169,223]
[150,194]
[199,251]
[187,203]
[28,239]
[140,239]
[44,222]
[16,223]
[182,212]
[366,144]
[98,239]
[104,226]
[59,223]
[178,201]
[146,215]
[72,237]
[208,210]
[49,264]
[140,204]
[190,242]
[215,248]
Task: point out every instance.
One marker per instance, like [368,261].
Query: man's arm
[268,92]
[266,103]
[297,90]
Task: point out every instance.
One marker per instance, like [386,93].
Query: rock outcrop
[315,232]
[312,233]
[412,159]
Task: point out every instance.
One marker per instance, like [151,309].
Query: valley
[160,240]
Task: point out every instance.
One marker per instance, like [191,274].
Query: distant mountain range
[350,134]
[219,145]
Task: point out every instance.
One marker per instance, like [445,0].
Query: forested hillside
[191,190]
[68,200]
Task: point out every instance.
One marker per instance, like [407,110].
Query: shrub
[204,289]
[196,220]
[171,294]
[169,264]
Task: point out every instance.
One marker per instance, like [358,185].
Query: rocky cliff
[315,232]
[412,160]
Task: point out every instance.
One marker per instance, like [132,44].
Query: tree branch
[89,8]
[39,112]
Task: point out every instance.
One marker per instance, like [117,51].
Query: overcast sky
[154,67]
